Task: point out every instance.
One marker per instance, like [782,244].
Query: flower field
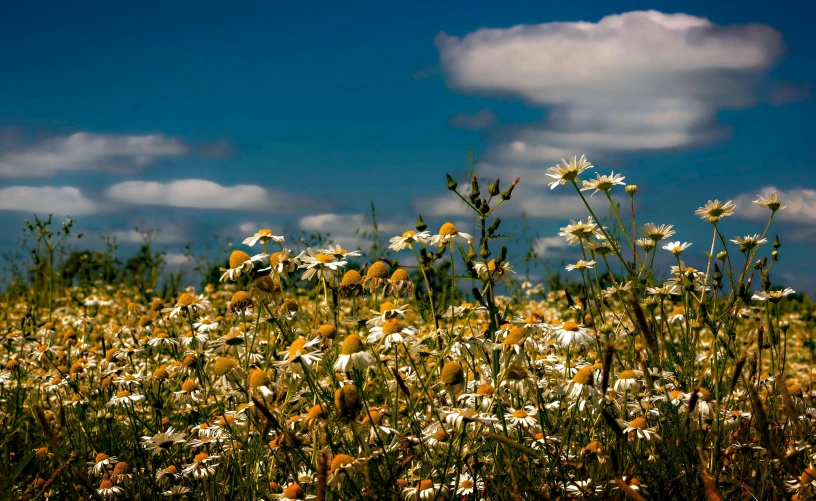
[428,371]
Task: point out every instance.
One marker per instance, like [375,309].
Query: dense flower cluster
[303,375]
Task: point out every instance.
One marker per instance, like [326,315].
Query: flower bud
[484,252]
[494,226]
[474,189]
[451,183]
[509,191]
[776,244]
[722,255]
[631,189]
[420,225]
[494,189]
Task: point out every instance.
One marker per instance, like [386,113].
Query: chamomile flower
[639,428]
[571,333]
[676,248]
[771,201]
[603,183]
[161,442]
[101,463]
[448,233]
[408,239]
[581,265]
[240,262]
[108,490]
[263,236]
[657,233]
[773,296]
[124,397]
[580,231]
[714,210]
[392,331]
[203,466]
[188,303]
[568,171]
[353,355]
[319,264]
[425,490]
[749,242]
[523,418]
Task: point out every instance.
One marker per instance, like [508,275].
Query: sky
[202,118]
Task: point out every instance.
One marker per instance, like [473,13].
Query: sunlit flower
[318,264]
[264,235]
[409,238]
[568,171]
[603,183]
[676,248]
[447,234]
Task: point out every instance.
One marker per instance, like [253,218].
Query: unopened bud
[420,225]
[451,183]
[471,254]
[474,189]
[503,253]
[776,244]
[494,226]
[494,189]
[722,255]
[484,252]
[509,191]
[631,189]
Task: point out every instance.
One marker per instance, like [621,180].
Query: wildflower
[665,290]
[603,183]
[202,467]
[749,242]
[569,333]
[293,492]
[239,262]
[339,252]
[647,244]
[241,301]
[408,239]
[467,485]
[447,234]
[628,381]
[770,201]
[108,490]
[580,231]
[773,296]
[714,210]
[350,282]
[300,350]
[568,171]
[657,233]
[281,263]
[177,491]
[263,235]
[392,331]
[523,418]
[425,490]
[101,463]
[162,441]
[123,398]
[189,303]
[388,310]
[581,265]
[322,265]
[229,372]
[161,339]
[347,402]
[353,355]
[676,248]
[453,377]
[640,428]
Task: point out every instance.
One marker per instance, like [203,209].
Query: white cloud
[801,204]
[546,247]
[203,194]
[62,200]
[347,230]
[479,120]
[635,81]
[84,151]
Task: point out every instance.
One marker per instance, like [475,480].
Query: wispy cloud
[204,194]
[801,203]
[634,81]
[347,230]
[85,151]
[482,119]
[61,200]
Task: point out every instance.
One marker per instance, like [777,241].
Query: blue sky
[198,117]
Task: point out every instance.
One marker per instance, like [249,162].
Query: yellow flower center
[237,258]
[583,376]
[258,378]
[391,326]
[341,461]
[385,306]
[327,331]
[400,275]
[448,229]
[408,234]
[514,337]
[352,277]
[324,258]
[297,346]
[352,344]
[570,326]
[294,491]
[123,394]
[265,232]
[639,423]
[627,375]
[452,373]
[189,386]
[200,457]
[377,270]
[224,364]
[426,484]
[521,413]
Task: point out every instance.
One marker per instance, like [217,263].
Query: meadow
[433,374]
